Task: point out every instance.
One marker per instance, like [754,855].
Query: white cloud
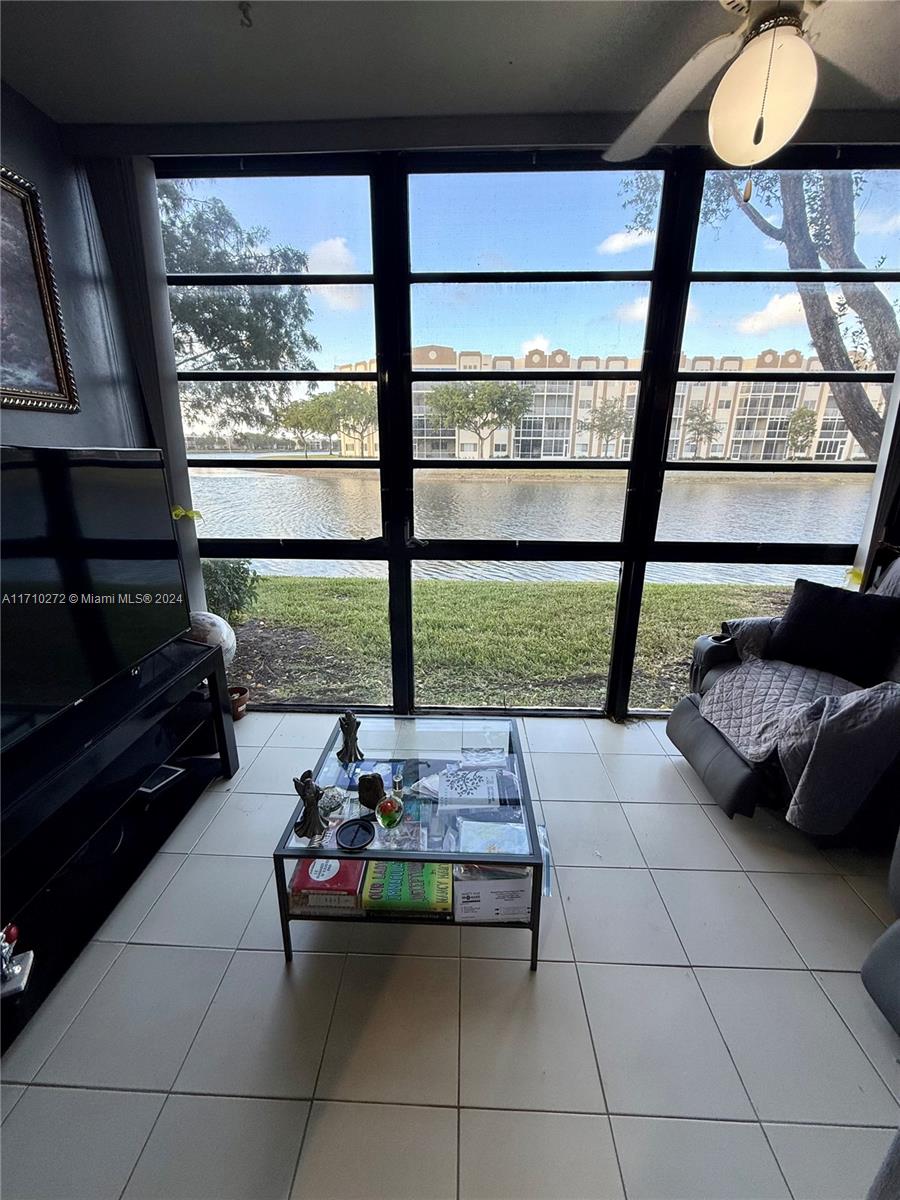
[625,239]
[878,222]
[334,257]
[540,341]
[635,310]
[784,309]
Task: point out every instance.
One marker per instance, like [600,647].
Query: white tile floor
[696,1030]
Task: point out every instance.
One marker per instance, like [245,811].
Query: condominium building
[748,420]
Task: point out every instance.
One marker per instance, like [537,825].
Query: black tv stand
[76,829]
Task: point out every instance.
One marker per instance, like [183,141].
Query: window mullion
[390,248]
[679,216]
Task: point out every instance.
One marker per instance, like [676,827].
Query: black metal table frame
[534,860]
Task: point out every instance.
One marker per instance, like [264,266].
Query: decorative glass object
[389,812]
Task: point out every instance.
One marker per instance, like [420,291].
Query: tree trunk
[851,398]
[867,300]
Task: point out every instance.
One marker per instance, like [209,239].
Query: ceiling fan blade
[648,127]
[844,32]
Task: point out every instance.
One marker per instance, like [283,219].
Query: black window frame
[683,173]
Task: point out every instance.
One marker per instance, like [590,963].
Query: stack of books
[423,888]
[325,887]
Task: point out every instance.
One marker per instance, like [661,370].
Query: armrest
[711,650]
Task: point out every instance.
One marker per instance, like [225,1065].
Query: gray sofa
[739,785]
[881,970]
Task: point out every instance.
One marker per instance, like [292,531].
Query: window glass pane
[727,506]
[520,505]
[786,421]
[512,634]
[765,327]
[522,418]
[851,217]
[509,326]
[537,221]
[316,631]
[683,600]
[306,420]
[257,327]
[319,224]
[286,503]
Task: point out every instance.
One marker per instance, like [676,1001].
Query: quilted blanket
[834,740]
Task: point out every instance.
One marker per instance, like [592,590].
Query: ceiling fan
[767,91]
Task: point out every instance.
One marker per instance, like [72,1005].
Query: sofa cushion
[854,636]
[889,581]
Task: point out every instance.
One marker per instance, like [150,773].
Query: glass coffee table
[466,804]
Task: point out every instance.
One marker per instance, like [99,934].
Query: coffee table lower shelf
[360,918]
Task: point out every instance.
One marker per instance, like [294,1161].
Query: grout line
[590,1030]
[740,865]
[850,1030]
[724,1041]
[178,870]
[574,1112]
[12,1086]
[459,1037]
[306,1124]
[146,1141]
[203,1018]
[847,879]
[190,1047]
[122,947]
[315,1086]
[588,962]
[802,956]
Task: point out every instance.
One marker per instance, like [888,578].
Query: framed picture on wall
[35,371]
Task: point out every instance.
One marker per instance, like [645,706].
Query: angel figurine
[311,823]
[349,751]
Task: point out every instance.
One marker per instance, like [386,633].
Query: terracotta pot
[239,698]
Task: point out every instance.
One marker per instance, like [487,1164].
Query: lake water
[577,505]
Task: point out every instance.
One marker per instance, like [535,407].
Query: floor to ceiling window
[787,350]
[510,431]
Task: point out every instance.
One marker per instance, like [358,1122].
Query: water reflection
[583,505]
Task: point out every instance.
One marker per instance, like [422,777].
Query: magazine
[461,785]
[492,837]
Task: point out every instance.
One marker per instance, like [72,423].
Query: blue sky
[537,221]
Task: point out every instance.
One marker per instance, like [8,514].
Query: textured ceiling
[175,62]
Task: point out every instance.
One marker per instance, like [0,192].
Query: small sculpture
[311,823]
[15,969]
[371,790]
[349,751]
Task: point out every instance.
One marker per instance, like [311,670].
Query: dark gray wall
[112,413]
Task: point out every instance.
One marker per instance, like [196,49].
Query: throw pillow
[849,634]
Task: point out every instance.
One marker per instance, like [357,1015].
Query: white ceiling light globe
[734,115]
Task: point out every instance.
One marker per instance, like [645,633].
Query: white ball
[211,630]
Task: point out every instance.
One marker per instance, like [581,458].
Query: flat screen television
[92,580]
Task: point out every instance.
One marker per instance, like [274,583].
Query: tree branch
[766,227]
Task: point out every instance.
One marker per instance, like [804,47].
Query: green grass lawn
[481,643]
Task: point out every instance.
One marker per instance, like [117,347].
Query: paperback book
[419,887]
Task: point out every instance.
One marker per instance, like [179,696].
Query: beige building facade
[748,420]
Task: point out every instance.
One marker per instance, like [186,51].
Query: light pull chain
[760,124]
